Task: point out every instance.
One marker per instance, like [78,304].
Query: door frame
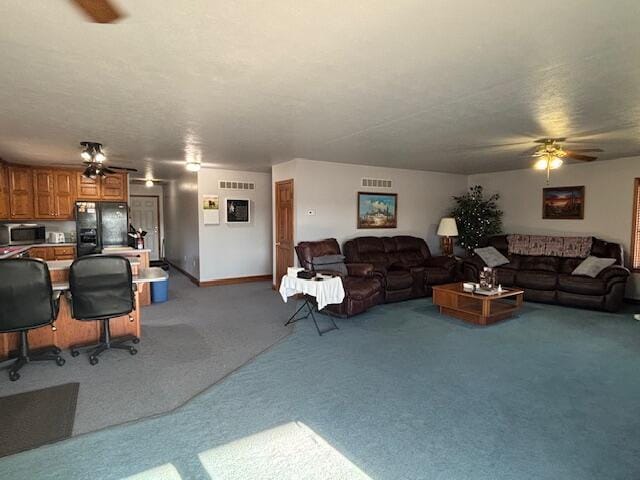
[160,225]
[276,280]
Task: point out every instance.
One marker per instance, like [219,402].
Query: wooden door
[21,193]
[145,215]
[284,228]
[4,193]
[65,194]
[87,188]
[114,187]
[44,194]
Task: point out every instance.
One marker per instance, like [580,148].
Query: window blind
[635,240]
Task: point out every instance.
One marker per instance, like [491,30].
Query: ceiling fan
[99,11]
[94,157]
[550,154]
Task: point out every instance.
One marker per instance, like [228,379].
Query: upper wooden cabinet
[54,194]
[21,192]
[111,188]
[5,212]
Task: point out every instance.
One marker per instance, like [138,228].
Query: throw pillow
[491,257]
[330,262]
[592,266]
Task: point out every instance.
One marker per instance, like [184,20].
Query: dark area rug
[35,418]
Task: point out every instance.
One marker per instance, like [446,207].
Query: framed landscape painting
[563,203]
[377,210]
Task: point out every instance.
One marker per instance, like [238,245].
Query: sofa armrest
[614,273]
[471,267]
[448,263]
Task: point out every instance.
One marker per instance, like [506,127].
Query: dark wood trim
[235,280]
[185,273]
[635,234]
[360,227]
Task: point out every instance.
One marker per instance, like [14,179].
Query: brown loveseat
[362,286]
[405,264]
[544,272]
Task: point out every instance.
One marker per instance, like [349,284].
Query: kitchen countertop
[65,264]
[146,275]
[15,250]
[124,250]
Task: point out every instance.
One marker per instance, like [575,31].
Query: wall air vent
[376,183]
[236,185]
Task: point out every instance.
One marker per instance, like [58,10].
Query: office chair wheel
[60,361]
[133,351]
[56,351]
[75,353]
[136,340]
[93,360]
[13,376]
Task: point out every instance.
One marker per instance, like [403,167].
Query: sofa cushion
[568,265]
[543,264]
[399,279]
[581,284]
[491,257]
[592,266]
[536,279]
[506,276]
[369,245]
[361,288]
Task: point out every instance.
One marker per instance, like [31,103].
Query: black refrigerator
[100,225]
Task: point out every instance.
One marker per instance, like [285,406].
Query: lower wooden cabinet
[65,252]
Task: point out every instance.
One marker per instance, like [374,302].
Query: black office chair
[101,288]
[27,302]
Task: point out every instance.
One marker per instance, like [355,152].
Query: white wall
[157,190]
[181,223]
[330,189]
[608,201]
[235,250]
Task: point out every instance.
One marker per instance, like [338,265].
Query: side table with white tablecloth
[327,291]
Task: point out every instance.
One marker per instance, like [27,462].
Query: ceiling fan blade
[107,170]
[126,169]
[584,150]
[549,140]
[584,158]
[100,11]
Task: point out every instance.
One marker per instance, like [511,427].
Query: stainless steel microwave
[22,233]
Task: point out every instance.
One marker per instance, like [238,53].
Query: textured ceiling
[425,84]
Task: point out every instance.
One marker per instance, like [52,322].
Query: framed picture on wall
[238,210]
[377,210]
[563,203]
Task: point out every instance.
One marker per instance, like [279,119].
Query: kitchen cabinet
[21,193]
[110,188]
[4,193]
[64,252]
[54,194]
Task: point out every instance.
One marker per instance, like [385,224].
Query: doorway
[284,228]
[145,214]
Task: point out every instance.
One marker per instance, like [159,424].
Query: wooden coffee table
[476,308]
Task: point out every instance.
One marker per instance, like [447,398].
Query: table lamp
[447,230]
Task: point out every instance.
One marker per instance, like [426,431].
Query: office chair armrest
[55,299]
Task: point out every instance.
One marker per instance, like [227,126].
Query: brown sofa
[547,278]
[404,263]
[362,286]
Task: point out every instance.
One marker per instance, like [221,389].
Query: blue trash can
[160,291]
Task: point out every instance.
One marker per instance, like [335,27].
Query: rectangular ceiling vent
[376,183]
[236,185]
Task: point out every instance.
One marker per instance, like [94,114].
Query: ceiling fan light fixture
[99,157]
[555,163]
[541,164]
[86,156]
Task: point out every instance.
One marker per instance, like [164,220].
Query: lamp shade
[448,227]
